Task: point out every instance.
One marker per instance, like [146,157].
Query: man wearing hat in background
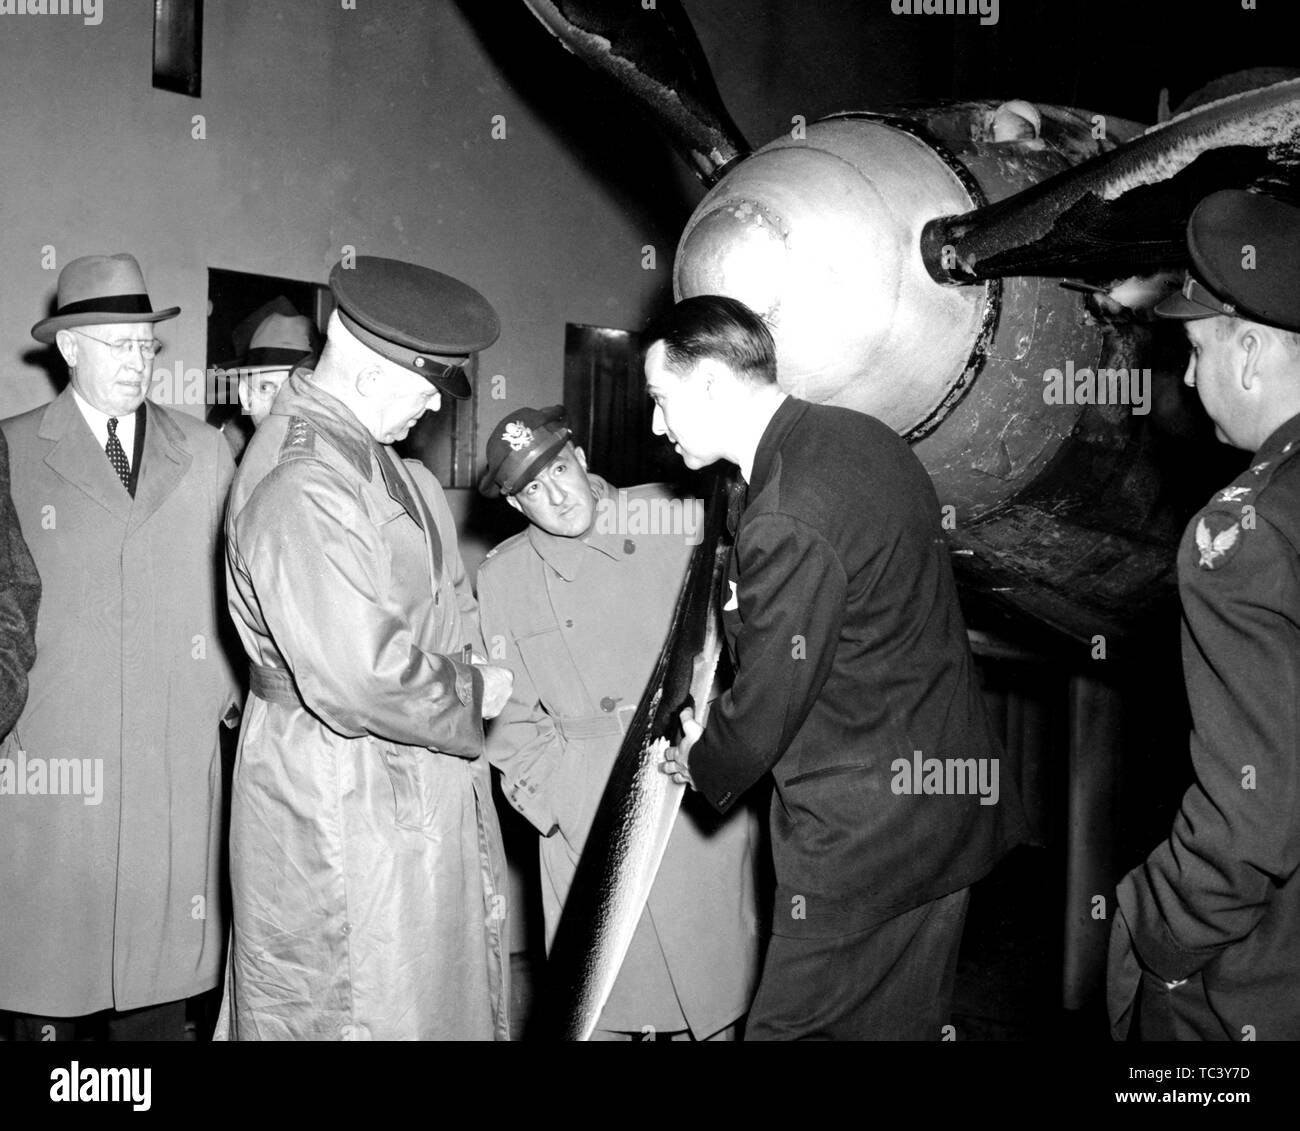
[271,342]
[578,607]
[1209,924]
[110,887]
[366,862]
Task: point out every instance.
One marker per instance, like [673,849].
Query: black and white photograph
[741,521]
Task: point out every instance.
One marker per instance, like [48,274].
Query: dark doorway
[609,412]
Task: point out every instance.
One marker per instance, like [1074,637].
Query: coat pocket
[409,808]
[559,684]
[826,772]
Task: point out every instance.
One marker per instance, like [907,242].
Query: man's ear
[712,372]
[367,381]
[245,387]
[580,455]
[67,342]
[1252,345]
[514,503]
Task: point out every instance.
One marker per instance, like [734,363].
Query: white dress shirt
[98,422]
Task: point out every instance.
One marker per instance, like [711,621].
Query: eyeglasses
[121,348]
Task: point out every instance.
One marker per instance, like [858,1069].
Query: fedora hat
[100,289]
[274,336]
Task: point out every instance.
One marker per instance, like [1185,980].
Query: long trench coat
[366,860]
[580,621]
[115,902]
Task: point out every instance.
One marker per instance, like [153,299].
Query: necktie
[116,456]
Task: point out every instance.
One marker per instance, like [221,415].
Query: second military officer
[1207,941]
[578,606]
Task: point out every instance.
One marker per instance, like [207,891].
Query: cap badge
[517,435]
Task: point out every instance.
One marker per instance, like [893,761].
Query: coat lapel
[166,460]
[77,457]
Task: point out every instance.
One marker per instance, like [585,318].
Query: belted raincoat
[366,860]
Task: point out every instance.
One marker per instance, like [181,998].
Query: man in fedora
[271,341]
[110,821]
[1206,940]
[366,860]
[578,607]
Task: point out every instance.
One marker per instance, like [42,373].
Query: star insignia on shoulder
[1233,494]
[1215,547]
[1289,445]
[517,435]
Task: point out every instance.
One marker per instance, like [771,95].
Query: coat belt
[274,685]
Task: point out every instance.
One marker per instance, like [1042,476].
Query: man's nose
[555,493]
[657,422]
[135,359]
[1189,375]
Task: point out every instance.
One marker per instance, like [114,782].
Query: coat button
[568,623]
[629,547]
[608,704]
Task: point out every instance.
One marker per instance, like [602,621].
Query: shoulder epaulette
[509,544]
[299,440]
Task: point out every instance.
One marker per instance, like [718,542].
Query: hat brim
[261,360]
[45,330]
[1181,308]
[490,488]
[457,387]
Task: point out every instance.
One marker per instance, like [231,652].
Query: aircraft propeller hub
[821,236]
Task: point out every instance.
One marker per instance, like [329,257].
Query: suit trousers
[165,1022]
[891,982]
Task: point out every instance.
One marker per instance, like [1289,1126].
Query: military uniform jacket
[115,901]
[580,621]
[1221,896]
[851,657]
[366,861]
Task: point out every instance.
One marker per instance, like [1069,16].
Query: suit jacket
[118,894]
[854,679]
[1220,896]
[20,597]
[580,622]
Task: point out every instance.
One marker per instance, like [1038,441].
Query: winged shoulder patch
[1218,538]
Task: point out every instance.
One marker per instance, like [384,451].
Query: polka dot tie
[116,456]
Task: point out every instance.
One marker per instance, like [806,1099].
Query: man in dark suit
[110,810]
[854,687]
[20,596]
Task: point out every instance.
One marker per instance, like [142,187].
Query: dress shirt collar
[98,423]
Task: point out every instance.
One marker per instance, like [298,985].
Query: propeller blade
[655,56]
[1127,209]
